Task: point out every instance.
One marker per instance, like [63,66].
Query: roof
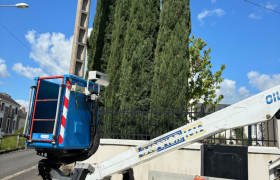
[22,114]
[8,98]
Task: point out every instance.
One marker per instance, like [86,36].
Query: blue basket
[74,118]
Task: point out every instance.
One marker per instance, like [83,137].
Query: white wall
[21,123]
[184,161]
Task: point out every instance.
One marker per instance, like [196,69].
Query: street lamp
[19,5]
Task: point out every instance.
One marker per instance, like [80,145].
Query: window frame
[8,125]
[14,122]
[10,111]
[2,106]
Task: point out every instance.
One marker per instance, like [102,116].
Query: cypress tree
[172,55]
[138,57]
[121,18]
[99,42]
[107,39]
[92,40]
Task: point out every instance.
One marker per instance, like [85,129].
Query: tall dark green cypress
[116,55]
[138,57]
[92,40]
[172,55]
[99,43]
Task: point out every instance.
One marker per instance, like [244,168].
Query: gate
[226,161]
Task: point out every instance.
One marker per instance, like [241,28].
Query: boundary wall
[187,160]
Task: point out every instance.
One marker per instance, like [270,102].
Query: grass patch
[11,142]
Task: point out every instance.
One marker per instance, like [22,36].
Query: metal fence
[145,124]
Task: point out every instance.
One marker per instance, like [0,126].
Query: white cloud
[231,96]
[86,62]
[3,69]
[1,83]
[213,1]
[23,103]
[89,32]
[259,81]
[271,5]
[202,15]
[88,35]
[254,16]
[54,49]
[219,12]
[262,81]
[260,11]
[213,23]
[28,72]
[216,12]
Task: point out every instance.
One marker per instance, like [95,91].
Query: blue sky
[244,37]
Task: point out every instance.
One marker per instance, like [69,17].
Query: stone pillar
[77,64]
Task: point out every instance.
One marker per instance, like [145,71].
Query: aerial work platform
[256,109]
[60,118]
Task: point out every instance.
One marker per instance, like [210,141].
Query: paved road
[30,175]
[14,162]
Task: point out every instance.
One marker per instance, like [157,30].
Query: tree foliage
[94,63]
[99,43]
[171,55]
[202,82]
[121,19]
[146,53]
[138,58]
[238,133]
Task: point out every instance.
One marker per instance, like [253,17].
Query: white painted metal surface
[22,5]
[28,110]
[103,80]
[258,108]
[272,169]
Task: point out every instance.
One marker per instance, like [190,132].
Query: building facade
[9,110]
[22,116]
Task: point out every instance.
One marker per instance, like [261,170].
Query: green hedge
[11,142]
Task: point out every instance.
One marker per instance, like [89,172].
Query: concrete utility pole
[77,64]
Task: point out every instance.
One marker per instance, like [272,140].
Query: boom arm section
[259,108]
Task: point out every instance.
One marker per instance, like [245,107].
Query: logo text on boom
[165,142]
[272,98]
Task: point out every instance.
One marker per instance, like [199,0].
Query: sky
[241,35]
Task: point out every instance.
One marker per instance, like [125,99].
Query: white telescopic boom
[259,108]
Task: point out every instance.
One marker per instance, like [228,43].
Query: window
[16,111]
[1,120]
[2,107]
